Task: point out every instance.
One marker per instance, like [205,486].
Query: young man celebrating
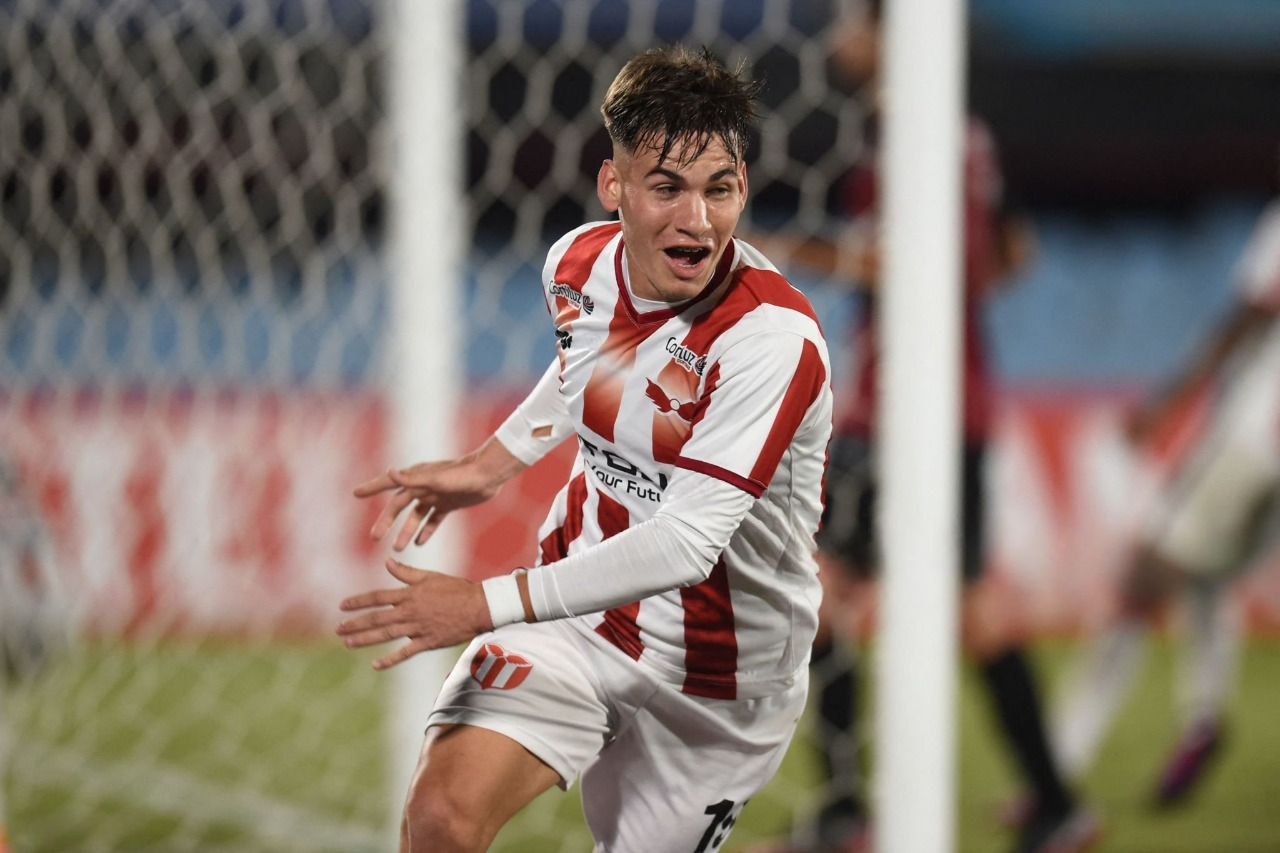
[659,648]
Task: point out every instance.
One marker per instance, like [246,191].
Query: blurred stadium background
[194,369]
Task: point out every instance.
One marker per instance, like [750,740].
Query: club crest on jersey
[667,403]
[685,357]
[575,296]
[493,666]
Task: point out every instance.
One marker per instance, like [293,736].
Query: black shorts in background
[849,530]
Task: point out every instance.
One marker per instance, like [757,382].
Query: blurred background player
[33,605]
[1210,525]
[996,244]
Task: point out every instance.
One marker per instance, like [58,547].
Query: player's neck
[642,304]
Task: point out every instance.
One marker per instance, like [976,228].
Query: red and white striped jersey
[734,384]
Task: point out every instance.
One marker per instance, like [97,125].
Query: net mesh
[190,295]
[192,370]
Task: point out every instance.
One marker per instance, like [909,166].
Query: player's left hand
[432,611]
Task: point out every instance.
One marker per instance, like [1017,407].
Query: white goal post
[919,428]
[428,236]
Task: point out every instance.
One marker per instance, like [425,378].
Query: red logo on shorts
[494,666]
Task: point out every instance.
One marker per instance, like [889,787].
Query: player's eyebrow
[676,177]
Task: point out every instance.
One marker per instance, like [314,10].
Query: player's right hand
[424,494]
[428,491]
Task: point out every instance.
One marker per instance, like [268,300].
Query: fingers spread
[408,478]
[375,598]
[395,505]
[403,653]
[412,521]
[429,528]
[376,636]
[381,483]
[372,619]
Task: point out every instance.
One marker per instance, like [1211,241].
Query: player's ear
[609,186]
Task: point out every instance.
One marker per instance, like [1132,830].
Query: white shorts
[661,770]
[1222,504]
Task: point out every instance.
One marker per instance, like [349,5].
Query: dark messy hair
[670,95]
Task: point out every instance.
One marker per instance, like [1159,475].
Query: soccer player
[35,614]
[1206,529]
[659,647]
[995,243]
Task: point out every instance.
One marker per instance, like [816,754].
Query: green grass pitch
[288,755]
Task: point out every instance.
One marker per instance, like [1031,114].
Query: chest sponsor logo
[615,472]
[495,667]
[576,297]
[685,357]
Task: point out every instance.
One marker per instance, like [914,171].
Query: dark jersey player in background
[995,244]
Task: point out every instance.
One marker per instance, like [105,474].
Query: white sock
[1092,693]
[1207,670]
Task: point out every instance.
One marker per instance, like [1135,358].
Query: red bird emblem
[669,404]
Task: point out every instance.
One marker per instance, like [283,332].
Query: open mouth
[688,256]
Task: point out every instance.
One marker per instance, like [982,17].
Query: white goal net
[194,372]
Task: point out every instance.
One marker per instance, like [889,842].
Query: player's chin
[685,282]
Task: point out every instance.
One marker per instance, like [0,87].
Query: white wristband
[503,597]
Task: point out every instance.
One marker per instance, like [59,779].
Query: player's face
[677,220]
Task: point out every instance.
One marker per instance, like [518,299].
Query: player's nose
[693,215]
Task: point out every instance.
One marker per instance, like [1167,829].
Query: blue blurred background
[1142,137]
